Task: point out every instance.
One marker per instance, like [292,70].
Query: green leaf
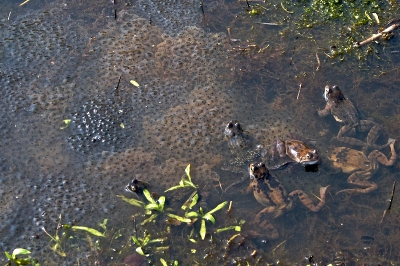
[152,206]
[150,219]
[140,251]
[157,240]
[148,196]
[161,202]
[209,217]
[163,262]
[173,188]
[8,255]
[134,202]
[136,241]
[88,229]
[220,230]
[66,122]
[20,251]
[191,201]
[134,83]
[187,171]
[104,224]
[146,240]
[192,214]
[175,263]
[179,218]
[192,240]
[238,228]
[220,206]
[203,229]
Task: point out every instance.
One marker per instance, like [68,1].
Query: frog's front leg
[280,147]
[360,178]
[307,201]
[326,111]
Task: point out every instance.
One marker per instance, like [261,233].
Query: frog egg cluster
[38,202]
[166,68]
[37,48]
[171,15]
[96,124]
[193,130]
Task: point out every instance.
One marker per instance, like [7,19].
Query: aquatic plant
[21,256]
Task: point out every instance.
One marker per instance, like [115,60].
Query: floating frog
[269,192]
[344,111]
[360,166]
[296,150]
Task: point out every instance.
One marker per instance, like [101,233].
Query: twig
[202,10]
[376,36]
[280,244]
[319,62]
[9,16]
[387,211]
[298,93]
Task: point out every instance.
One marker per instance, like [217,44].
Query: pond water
[96,94]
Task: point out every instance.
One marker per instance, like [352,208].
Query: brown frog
[296,150]
[360,167]
[269,192]
[344,111]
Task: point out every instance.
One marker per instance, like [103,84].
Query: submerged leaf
[134,202]
[179,218]
[203,229]
[87,229]
[163,262]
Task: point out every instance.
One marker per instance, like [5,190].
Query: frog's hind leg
[360,178]
[380,157]
[308,202]
[373,129]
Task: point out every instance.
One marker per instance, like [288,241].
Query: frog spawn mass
[83,91]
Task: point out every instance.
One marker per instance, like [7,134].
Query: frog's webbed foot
[308,202]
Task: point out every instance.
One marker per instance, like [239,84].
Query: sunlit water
[76,62]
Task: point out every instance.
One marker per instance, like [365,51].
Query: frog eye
[230,124]
[238,126]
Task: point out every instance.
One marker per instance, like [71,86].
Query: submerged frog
[269,192]
[239,144]
[344,111]
[360,166]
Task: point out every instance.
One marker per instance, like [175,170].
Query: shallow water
[75,61]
